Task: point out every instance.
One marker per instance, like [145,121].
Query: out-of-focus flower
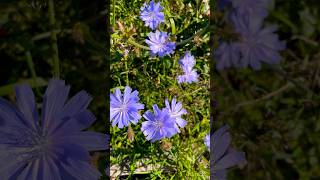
[258,44]
[221,4]
[125,108]
[227,55]
[52,146]
[223,155]
[159,44]
[159,124]
[151,14]
[176,111]
[250,8]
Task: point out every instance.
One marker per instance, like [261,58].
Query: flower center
[123,107]
[31,144]
[158,124]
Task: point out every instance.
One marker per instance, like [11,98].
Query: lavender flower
[186,63]
[125,108]
[52,146]
[223,155]
[176,111]
[190,75]
[258,44]
[158,125]
[227,55]
[151,14]
[159,44]
[188,60]
[207,141]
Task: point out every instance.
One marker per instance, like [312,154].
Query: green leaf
[38,82]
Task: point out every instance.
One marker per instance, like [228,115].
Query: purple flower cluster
[158,41]
[164,123]
[160,124]
[256,43]
[187,63]
[223,155]
[50,146]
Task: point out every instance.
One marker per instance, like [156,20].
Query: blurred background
[274,112]
[26,53]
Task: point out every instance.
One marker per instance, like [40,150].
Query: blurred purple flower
[221,4]
[250,8]
[159,124]
[159,44]
[207,141]
[176,111]
[257,43]
[125,108]
[187,60]
[227,55]
[223,155]
[52,146]
[151,14]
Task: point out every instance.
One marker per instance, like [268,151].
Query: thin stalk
[131,41]
[54,46]
[286,76]
[127,74]
[48,34]
[32,70]
[199,33]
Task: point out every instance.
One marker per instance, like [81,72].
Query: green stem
[48,34]
[114,13]
[32,70]
[286,76]
[54,46]
[131,41]
[199,33]
[127,74]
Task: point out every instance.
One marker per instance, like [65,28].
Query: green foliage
[184,155]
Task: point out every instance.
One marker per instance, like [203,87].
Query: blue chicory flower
[223,155]
[187,63]
[125,108]
[176,111]
[159,124]
[159,44]
[151,14]
[190,75]
[187,60]
[52,146]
